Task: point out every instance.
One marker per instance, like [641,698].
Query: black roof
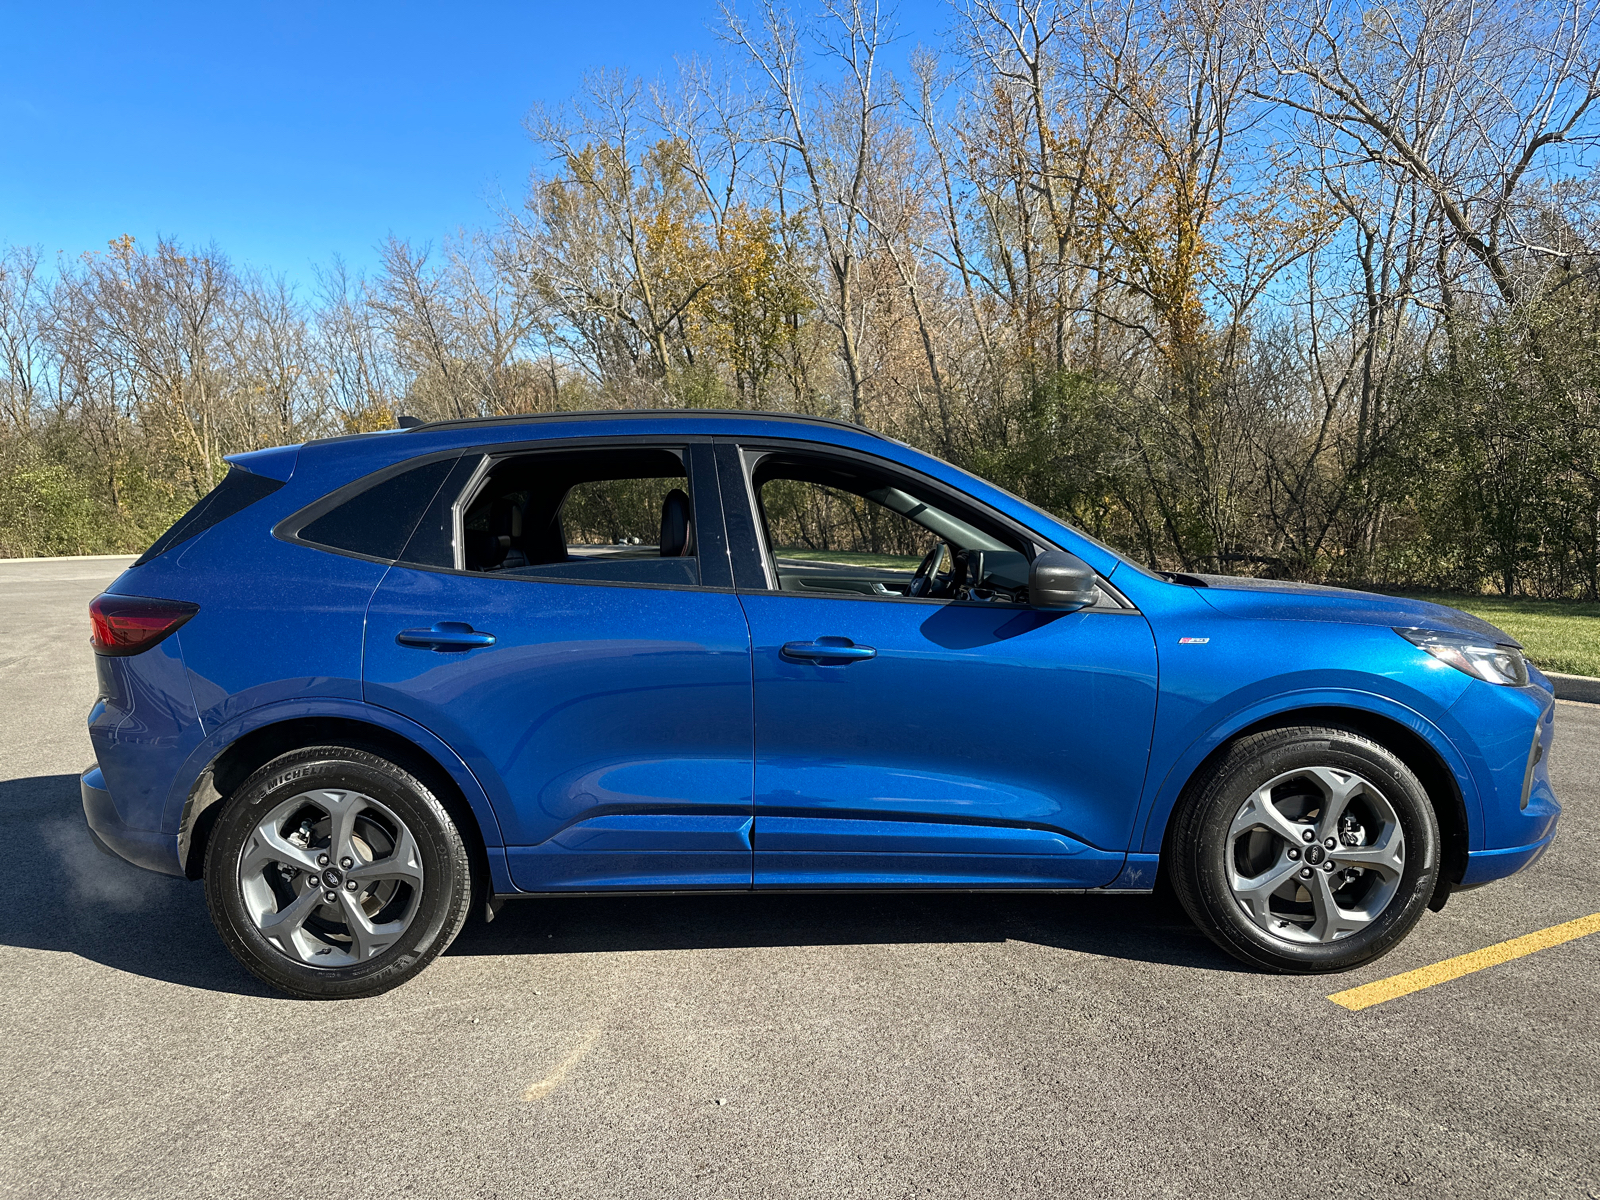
[626,413]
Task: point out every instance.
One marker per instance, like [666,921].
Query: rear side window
[614,515]
[377,521]
[237,492]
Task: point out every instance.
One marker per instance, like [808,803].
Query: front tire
[1306,850]
[333,874]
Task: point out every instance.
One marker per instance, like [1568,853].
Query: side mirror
[1060,582]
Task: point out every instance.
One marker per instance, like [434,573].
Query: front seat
[543,539]
[499,546]
[677,525]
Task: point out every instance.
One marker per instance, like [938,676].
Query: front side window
[606,516]
[836,526]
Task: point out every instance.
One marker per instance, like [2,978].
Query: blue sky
[293,132]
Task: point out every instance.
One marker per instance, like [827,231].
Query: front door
[917,724]
[570,630]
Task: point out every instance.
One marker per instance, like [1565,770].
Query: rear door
[565,619]
[932,741]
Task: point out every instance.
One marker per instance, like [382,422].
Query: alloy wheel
[331,877]
[1315,854]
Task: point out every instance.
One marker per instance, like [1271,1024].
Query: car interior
[835,526]
[625,516]
[622,516]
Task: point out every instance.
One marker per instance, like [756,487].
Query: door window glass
[433,543]
[835,526]
[608,516]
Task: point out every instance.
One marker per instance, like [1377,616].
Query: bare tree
[362,382]
[831,143]
[22,349]
[615,241]
[1467,100]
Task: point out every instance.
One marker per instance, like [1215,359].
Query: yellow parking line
[1368,994]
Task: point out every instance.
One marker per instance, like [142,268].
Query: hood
[1282,600]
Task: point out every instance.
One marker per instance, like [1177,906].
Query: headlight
[1477,656]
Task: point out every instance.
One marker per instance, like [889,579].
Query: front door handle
[828,650]
[445,636]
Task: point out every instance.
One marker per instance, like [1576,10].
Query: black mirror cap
[1061,582]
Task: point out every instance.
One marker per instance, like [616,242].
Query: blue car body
[648,736]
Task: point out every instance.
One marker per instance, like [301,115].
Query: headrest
[677,525]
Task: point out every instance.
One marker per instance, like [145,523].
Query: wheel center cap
[332,878]
[1314,855]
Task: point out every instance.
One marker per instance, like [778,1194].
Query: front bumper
[1485,866]
[147,848]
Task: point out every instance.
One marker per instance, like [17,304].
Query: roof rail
[624,413]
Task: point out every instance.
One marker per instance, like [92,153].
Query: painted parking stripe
[1368,994]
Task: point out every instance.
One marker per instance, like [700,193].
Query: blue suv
[372,684]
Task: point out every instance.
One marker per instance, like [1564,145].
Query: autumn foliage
[1303,289]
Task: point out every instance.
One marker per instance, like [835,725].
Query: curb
[1583,688]
[68,558]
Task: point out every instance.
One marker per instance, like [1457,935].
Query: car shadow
[62,893]
[968,626]
[1150,928]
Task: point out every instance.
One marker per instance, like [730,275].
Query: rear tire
[334,874]
[1306,850]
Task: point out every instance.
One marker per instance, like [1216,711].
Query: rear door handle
[445,636]
[828,650]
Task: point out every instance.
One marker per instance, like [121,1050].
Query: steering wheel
[926,581]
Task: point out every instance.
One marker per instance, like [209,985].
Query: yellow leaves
[678,248]
[756,301]
[1156,217]
[368,419]
[626,239]
[119,247]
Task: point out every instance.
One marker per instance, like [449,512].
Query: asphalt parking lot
[760,1046]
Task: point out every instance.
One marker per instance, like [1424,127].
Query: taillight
[126,625]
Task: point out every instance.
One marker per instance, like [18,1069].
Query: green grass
[1560,635]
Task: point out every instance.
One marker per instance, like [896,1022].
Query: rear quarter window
[238,491]
[377,520]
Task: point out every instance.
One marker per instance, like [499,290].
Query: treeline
[1305,288]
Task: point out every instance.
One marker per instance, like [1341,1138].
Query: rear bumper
[1485,866]
[147,848]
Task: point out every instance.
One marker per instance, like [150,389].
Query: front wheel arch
[1238,867]
[1444,792]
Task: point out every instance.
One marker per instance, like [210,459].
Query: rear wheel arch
[242,757]
[1406,744]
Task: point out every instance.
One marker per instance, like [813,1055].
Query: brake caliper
[1350,831]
